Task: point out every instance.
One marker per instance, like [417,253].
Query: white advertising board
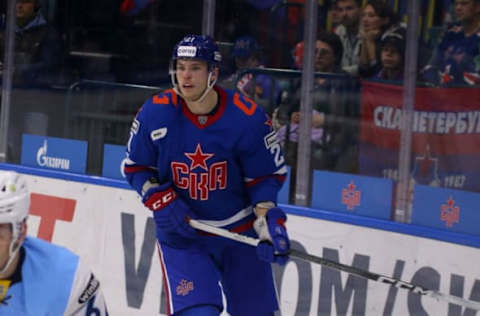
[114,233]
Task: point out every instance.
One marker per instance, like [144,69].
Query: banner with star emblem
[446,130]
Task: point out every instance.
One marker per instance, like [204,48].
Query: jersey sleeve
[141,159]
[262,159]
[86,297]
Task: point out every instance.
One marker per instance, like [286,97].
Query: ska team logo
[450,213]
[198,176]
[351,197]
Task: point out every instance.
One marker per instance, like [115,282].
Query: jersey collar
[204,120]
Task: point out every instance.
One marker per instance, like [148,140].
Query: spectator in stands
[335,112]
[392,56]
[260,87]
[377,19]
[334,17]
[456,60]
[38,47]
[349,18]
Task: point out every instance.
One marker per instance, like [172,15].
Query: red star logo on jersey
[198,158]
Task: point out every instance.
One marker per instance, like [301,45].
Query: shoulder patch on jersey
[271,139]
[167,97]
[174,96]
[160,99]
[247,105]
[135,126]
[158,134]
[90,290]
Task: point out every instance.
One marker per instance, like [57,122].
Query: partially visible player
[456,60]
[37,277]
[199,151]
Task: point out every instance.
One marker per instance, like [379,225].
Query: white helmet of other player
[14,207]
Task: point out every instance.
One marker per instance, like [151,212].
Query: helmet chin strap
[210,85]
[15,244]
[12,252]
[208,88]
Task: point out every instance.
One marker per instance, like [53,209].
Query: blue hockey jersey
[456,60]
[218,163]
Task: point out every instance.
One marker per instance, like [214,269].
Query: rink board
[106,224]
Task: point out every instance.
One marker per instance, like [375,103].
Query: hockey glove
[274,242]
[170,214]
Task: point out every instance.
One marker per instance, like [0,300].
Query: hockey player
[38,278]
[199,151]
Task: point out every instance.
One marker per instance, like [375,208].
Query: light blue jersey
[54,282]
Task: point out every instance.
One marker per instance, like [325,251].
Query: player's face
[465,10]
[5,239]
[6,236]
[192,76]
[348,12]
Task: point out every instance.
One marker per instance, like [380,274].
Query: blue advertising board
[113,156]
[54,153]
[354,194]
[448,209]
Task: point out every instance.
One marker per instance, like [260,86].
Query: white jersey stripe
[165,274]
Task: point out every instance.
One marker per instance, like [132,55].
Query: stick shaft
[342,267]
[223,232]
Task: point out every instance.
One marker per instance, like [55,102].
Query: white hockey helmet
[14,208]
[14,200]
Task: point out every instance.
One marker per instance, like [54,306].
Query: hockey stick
[342,267]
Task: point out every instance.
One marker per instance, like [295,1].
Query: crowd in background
[127,40]
[363,40]
[58,43]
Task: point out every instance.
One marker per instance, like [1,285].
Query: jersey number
[91,309]
[242,106]
[276,150]
[272,144]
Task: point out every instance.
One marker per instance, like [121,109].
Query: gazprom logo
[51,162]
[186,51]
